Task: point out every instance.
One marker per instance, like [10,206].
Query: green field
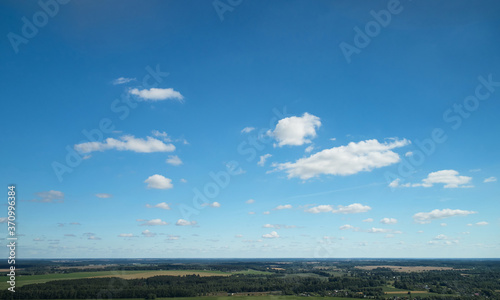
[241,298]
[30,279]
[252,272]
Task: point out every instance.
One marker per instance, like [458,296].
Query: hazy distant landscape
[258,279]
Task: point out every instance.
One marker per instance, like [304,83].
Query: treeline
[193,285]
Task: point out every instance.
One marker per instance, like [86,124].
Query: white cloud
[162,205]
[272,235]
[159,182]
[378,230]
[443,224]
[427,217]
[344,160]
[490,179]
[154,222]
[368,220]
[182,222]
[483,223]
[267,213]
[449,178]
[174,160]
[163,135]
[394,183]
[156,94]
[250,201]
[279,226]
[183,180]
[263,159]
[93,237]
[126,143]
[309,149]
[408,154]
[213,204]
[441,237]
[349,209]
[247,129]
[173,237]
[49,197]
[122,80]
[388,221]
[148,233]
[103,195]
[346,227]
[126,235]
[295,131]
[286,206]
[3,220]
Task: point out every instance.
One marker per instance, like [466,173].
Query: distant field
[30,279]
[242,298]
[252,272]
[407,269]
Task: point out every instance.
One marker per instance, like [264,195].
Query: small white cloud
[251,213]
[441,237]
[349,209]
[309,149]
[162,205]
[427,217]
[163,135]
[295,131]
[450,179]
[272,235]
[103,195]
[3,220]
[148,233]
[250,201]
[408,154]
[159,182]
[126,143]
[346,227]
[394,183]
[490,179]
[173,237]
[483,223]
[93,237]
[154,222]
[157,94]
[286,206]
[368,220]
[238,236]
[183,180]
[247,129]
[122,80]
[213,204]
[174,160]
[182,222]
[49,197]
[388,221]
[378,230]
[263,159]
[126,235]
[443,224]
[267,213]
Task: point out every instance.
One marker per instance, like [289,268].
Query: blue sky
[252,128]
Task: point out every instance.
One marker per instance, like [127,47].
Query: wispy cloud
[49,197]
[126,143]
[436,214]
[122,80]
